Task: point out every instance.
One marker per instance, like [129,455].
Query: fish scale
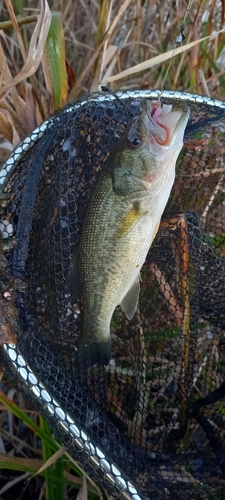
[121,222]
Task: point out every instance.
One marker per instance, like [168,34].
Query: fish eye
[134,141]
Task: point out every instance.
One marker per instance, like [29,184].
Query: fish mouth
[164,122]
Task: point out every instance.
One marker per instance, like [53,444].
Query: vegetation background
[123,44]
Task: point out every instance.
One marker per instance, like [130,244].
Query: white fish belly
[133,254]
[134,248]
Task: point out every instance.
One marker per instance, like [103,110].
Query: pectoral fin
[129,220]
[130,301]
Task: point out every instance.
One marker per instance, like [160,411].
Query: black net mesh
[157,411]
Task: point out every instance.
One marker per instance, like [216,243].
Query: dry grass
[102,40]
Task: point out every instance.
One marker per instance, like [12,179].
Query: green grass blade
[19,5]
[40,432]
[56,476]
[53,491]
[27,420]
[54,63]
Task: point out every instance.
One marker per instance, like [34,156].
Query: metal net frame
[151,424]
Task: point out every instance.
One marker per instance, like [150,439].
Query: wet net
[151,424]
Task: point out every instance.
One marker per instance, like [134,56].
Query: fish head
[162,128]
[146,156]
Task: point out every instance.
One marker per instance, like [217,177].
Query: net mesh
[158,410]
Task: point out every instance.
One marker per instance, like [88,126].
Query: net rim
[16,361]
[99,96]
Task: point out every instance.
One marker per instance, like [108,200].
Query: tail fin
[90,354]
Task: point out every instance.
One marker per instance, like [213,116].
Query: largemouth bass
[122,220]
